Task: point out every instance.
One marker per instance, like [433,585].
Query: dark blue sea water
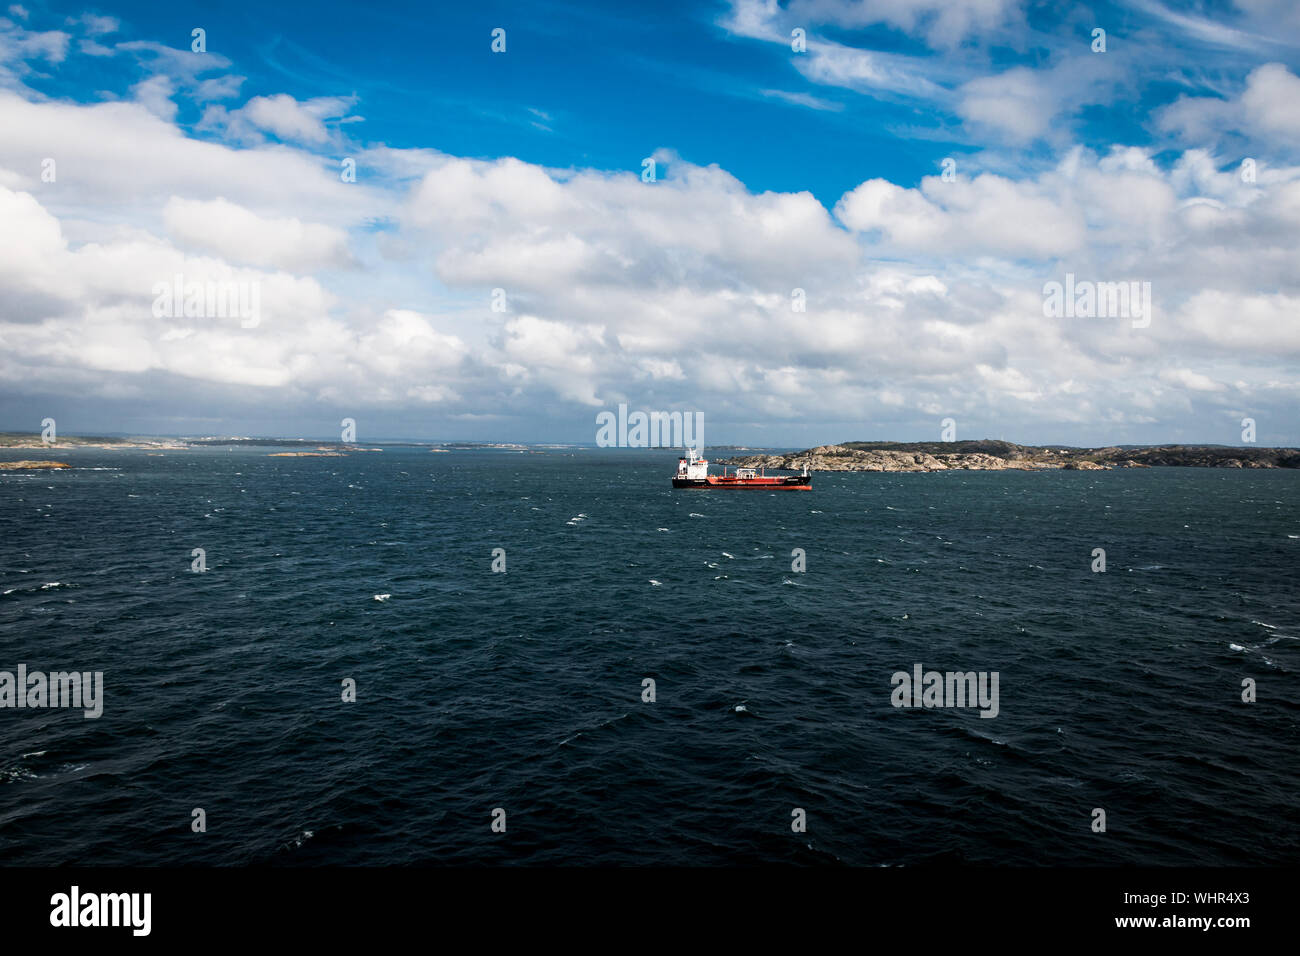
[476,690]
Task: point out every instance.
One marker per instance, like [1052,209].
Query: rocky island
[26,463]
[995,455]
[33,440]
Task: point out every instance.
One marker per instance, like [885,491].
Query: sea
[547,656]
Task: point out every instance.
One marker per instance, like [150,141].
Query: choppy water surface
[523,690]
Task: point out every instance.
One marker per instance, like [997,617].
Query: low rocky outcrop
[22,465]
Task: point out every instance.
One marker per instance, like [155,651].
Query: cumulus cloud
[989,215]
[128,160]
[281,116]
[701,227]
[93,307]
[1264,112]
[240,235]
[1010,102]
[1020,104]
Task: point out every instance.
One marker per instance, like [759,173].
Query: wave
[49,586]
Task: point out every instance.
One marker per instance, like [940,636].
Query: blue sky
[817,169]
[581,86]
[614,84]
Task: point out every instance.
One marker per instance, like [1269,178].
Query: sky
[810,222]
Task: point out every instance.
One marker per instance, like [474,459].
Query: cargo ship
[693,472]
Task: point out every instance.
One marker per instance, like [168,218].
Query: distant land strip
[994,455]
[32,440]
[987,454]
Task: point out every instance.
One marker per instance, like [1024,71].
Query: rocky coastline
[995,455]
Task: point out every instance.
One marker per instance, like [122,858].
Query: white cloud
[989,216]
[184,66]
[942,23]
[17,45]
[128,161]
[533,232]
[755,19]
[155,95]
[1021,104]
[805,99]
[240,235]
[1264,112]
[828,62]
[1242,324]
[91,308]
[1271,102]
[289,119]
[1012,103]
[1188,379]
[96,25]
[867,71]
[218,88]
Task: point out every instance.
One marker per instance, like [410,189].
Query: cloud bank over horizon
[482,290]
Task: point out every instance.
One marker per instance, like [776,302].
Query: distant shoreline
[996,455]
[28,441]
[977,455]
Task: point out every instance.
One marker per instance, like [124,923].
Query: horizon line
[128,436]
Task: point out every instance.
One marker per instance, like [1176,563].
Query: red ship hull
[791,482]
